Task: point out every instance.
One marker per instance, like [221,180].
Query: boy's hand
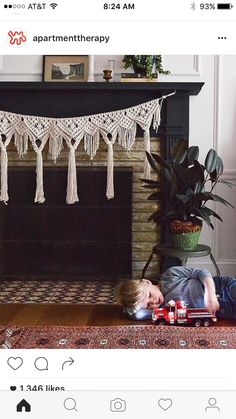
[211,303]
[210,298]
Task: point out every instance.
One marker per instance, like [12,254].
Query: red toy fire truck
[176,312]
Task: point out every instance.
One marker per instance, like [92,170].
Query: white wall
[212,125]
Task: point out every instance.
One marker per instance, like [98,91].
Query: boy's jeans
[226,292]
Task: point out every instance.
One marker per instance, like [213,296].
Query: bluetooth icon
[193,6]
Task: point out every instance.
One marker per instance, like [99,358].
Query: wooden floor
[69,315]
[63,315]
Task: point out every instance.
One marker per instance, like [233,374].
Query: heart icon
[13,388]
[165,404]
[15,363]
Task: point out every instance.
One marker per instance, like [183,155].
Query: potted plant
[143,64]
[186,186]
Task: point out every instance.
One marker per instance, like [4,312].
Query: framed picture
[65,68]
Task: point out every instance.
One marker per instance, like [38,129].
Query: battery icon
[224,6]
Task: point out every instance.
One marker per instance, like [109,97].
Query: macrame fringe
[4,167]
[126,137]
[39,194]
[157,117]
[110,172]
[91,143]
[4,181]
[147,147]
[21,143]
[72,193]
[55,147]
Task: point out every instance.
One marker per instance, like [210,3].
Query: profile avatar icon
[212,405]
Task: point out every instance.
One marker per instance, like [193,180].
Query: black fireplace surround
[94,236]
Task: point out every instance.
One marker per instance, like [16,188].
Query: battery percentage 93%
[207,6]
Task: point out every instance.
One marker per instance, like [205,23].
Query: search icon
[70,404]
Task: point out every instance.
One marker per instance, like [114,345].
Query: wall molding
[195,71]
[197,64]
[215,236]
[229,174]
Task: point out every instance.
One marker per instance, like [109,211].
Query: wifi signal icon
[53,5]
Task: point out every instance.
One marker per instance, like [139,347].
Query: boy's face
[152,297]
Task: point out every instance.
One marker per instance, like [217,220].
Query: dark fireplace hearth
[57,240]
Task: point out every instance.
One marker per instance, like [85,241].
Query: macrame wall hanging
[118,126]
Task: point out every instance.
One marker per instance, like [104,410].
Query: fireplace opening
[53,240]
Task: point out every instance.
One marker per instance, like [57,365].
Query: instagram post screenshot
[117,209]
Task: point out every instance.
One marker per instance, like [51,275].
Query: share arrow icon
[68,363]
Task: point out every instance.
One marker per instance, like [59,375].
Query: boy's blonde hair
[130,292]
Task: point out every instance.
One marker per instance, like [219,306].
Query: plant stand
[199,251]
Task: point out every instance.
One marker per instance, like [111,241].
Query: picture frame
[65,68]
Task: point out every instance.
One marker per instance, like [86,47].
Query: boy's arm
[210,298]
[203,275]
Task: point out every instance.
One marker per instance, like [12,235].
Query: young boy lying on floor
[196,287]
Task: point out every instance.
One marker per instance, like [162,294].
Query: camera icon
[118,405]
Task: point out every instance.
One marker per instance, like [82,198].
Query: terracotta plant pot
[185,234]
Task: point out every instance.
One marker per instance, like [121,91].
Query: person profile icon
[212,405]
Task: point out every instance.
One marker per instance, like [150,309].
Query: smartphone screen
[117,209]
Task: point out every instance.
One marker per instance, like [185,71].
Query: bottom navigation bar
[128,404]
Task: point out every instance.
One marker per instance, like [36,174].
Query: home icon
[23,406]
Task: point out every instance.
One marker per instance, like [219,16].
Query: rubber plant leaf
[214,176]
[219,166]
[169,177]
[162,216]
[151,186]
[179,150]
[193,174]
[155,196]
[213,213]
[218,198]
[150,181]
[192,154]
[183,198]
[204,215]
[162,162]
[198,187]
[225,182]
[211,161]
[152,163]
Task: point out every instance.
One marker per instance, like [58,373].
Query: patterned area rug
[58,292]
[118,337]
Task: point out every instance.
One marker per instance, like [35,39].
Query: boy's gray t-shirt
[185,284]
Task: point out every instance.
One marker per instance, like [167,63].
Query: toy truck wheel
[154,317]
[162,322]
[206,323]
[198,323]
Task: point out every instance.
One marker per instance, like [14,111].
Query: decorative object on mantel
[184,186]
[91,77]
[146,67]
[136,78]
[111,66]
[69,68]
[116,126]
[107,75]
